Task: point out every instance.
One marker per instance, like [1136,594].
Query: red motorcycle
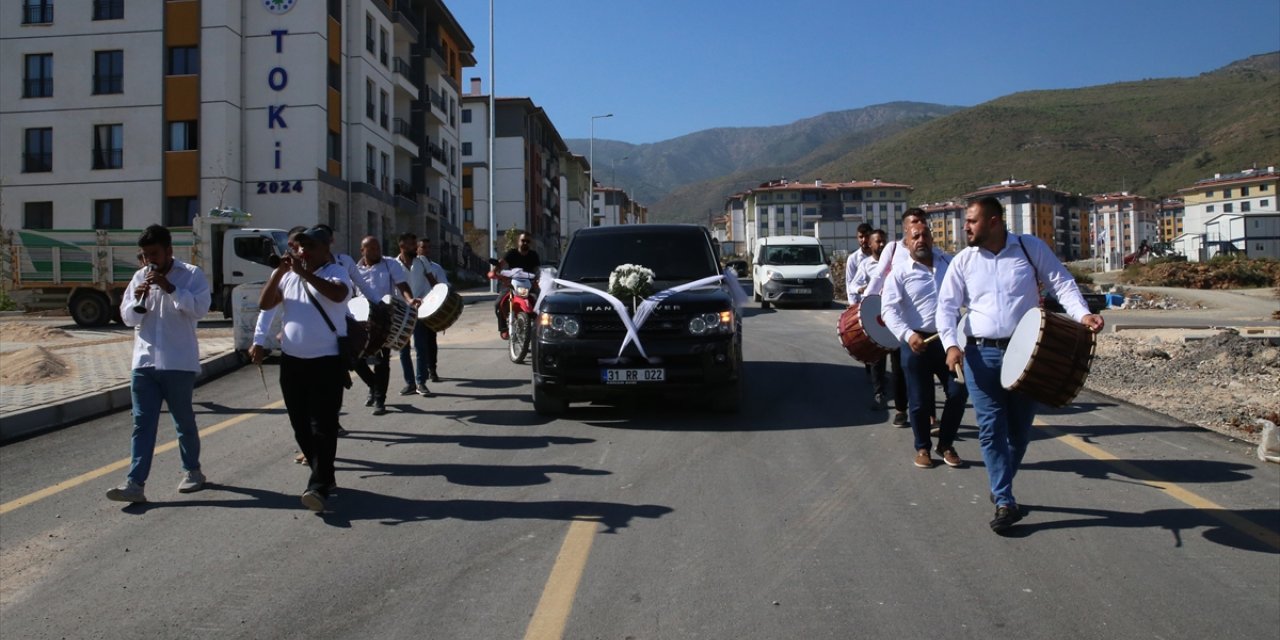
[519,301]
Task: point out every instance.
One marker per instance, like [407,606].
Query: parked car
[791,269]
[692,342]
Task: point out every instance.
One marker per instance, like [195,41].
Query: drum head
[1022,346]
[359,309]
[873,324]
[435,298]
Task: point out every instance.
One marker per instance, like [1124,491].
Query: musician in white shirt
[379,277]
[309,288]
[996,278]
[424,274]
[894,254]
[168,298]
[876,370]
[854,262]
[909,300]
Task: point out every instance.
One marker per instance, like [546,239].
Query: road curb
[51,417]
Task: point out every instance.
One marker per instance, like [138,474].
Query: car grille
[660,325]
[800,282]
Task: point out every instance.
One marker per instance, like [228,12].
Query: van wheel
[764,304]
[755,296]
[90,309]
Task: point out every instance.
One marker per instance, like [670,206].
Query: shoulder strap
[1023,246]
[319,308]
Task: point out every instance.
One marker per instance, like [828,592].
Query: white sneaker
[130,491]
[191,481]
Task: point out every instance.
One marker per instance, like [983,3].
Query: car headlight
[774,275]
[825,273]
[560,324]
[711,323]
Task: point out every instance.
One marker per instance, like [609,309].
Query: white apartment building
[1122,223]
[1248,195]
[134,113]
[783,207]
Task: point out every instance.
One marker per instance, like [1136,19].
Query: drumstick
[931,338]
[959,369]
[264,381]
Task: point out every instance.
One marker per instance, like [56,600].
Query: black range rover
[693,340]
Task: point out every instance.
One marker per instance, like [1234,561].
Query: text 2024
[280,186]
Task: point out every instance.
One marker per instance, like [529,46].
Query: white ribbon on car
[548,282]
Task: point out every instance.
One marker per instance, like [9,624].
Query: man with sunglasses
[522,257]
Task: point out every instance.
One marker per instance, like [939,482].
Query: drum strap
[1039,283]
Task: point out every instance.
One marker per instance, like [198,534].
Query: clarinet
[140,306]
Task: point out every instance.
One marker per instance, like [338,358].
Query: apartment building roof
[1240,177]
[790,185]
[1006,186]
[1120,196]
[942,206]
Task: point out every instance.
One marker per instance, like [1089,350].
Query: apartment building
[1057,217]
[1230,213]
[946,223]
[133,113]
[529,172]
[1170,216]
[830,212]
[613,206]
[1122,223]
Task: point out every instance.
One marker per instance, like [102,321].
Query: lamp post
[591,164]
[493,106]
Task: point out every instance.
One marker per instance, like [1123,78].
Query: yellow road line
[1173,490]
[122,464]
[556,602]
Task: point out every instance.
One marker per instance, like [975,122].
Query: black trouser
[500,308]
[899,382]
[379,378]
[312,390]
[875,371]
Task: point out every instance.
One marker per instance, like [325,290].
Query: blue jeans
[424,345]
[1004,419]
[920,370]
[148,389]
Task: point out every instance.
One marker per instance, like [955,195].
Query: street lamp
[493,107]
[591,164]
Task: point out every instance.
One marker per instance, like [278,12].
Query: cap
[317,234]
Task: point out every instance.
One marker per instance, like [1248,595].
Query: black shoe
[342,432]
[1006,516]
[368,402]
[379,407]
[434,377]
[899,419]
[877,403]
[408,390]
[313,500]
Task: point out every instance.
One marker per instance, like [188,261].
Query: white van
[788,269]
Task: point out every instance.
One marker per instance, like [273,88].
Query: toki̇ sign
[277,80]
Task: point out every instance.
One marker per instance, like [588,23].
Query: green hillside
[1150,137]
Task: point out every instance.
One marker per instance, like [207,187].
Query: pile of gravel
[1224,383]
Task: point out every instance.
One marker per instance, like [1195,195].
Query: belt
[998,343]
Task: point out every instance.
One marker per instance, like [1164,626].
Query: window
[333,215]
[466,151]
[368,33]
[1226,193]
[1209,193]
[1245,207]
[108,146]
[38,81]
[1244,191]
[1228,208]
[1208,209]
[466,115]
[335,146]
[383,115]
[1264,203]
[108,214]
[37,155]
[368,99]
[108,72]
[1263,187]
[466,178]
[37,215]
[184,135]
[183,61]
[37,11]
[108,9]
[180,211]
[370,166]
[382,46]
[335,75]
[386,172]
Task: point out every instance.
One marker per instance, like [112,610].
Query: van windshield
[793,254]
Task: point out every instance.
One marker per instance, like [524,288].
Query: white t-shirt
[381,278]
[305,333]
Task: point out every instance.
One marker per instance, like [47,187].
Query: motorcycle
[520,313]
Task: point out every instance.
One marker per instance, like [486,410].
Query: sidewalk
[99,361]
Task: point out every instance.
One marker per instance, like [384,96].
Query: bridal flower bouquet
[631,280]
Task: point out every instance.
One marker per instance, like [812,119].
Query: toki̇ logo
[279,6]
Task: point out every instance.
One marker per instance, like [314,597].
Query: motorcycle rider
[522,257]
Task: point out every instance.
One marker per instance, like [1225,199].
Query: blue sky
[670,67]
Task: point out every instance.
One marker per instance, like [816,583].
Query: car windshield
[793,254]
[671,256]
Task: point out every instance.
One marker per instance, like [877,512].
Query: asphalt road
[466,515]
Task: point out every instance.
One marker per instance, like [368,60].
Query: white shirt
[353,275]
[165,336]
[851,266]
[890,257]
[305,333]
[910,295]
[868,265]
[419,285]
[998,289]
[380,279]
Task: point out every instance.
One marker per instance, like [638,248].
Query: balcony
[439,159]
[403,74]
[402,132]
[404,20]
[439,106]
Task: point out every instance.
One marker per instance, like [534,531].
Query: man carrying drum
[893,254]
[854,263]
[380,278]
[423,275]
[996,278]
[910,298]
[875,371]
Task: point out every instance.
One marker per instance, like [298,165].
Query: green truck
[88,270]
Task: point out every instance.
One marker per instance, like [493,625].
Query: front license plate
[632,376]
[802,291]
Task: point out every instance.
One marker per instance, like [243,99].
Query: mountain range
[1149,137]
